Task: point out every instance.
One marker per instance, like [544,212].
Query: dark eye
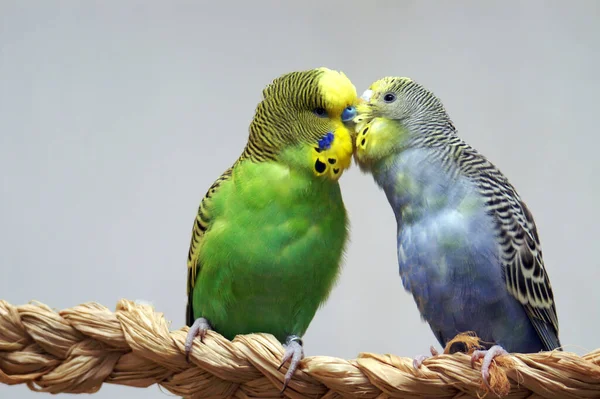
[320,112]
[389,98]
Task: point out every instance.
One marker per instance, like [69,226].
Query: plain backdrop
[115,118]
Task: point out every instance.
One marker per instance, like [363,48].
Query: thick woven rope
[78,349]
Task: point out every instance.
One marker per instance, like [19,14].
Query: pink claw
[199,328]
[294,352]
[417,361]
[488,356]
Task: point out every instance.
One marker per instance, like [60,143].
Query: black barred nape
[420,111]
[415,93]
[297,86]
[297,82]
[273,123]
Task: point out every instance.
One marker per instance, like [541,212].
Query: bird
[269,236]
[467,245]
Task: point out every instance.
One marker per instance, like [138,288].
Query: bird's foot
[294,352]
[199,328]
[487,355]
[417,361]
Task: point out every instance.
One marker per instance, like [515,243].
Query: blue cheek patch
[325,142]
[348,114]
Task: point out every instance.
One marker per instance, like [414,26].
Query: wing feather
[521,255]
[201,225]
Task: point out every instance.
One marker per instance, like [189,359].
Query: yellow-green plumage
[272,252]
[268,240]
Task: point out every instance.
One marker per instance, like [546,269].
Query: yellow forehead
[337,90]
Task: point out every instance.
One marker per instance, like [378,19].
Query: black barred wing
[201,224]
[523,266]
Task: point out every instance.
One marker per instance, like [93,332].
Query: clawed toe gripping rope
[78,349]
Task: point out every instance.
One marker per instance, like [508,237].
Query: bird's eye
[348,114]
[389,98]
[320,112]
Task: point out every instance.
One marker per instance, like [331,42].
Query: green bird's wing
[201,224]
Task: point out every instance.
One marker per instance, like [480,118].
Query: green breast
[272,254]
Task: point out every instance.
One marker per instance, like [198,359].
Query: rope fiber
[78,349]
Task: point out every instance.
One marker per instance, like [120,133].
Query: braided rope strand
[78,349]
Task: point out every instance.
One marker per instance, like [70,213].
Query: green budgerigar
[268,240]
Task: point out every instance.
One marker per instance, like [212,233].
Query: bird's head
[305,122]
[396,113]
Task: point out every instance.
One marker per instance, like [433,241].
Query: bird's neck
[417,180]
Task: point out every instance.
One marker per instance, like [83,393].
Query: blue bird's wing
[521,255]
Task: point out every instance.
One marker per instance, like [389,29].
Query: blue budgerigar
[468,248]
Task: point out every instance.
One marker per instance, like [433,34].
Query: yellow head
[304,121]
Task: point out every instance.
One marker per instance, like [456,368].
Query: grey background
[115,117]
